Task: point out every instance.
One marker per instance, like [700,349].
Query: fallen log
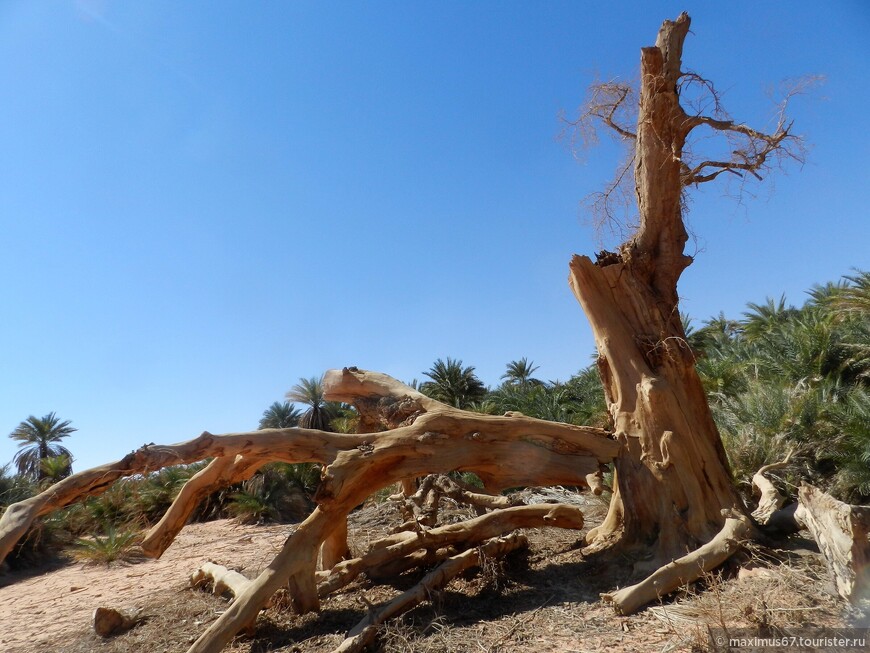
[269,445]
[221,579]
[502,451]
[505,452]
[366,630]
[841,532]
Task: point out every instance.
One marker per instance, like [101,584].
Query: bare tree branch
[612,103]
[754,152]
[611,208]
[606,101]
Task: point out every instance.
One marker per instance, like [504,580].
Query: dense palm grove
[780,379]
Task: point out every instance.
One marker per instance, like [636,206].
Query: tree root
[684,570]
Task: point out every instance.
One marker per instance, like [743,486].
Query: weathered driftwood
[365,631]
[464,534]
[770,499]
[221,579]
[841,532]
[684,570]
[108,622]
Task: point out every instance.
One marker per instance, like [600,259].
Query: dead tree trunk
[672,481]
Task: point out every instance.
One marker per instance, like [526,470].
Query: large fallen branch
[684,570]
[841,532]
[287,445]
[505,452]
[366,630]
[502,451]
[220,472]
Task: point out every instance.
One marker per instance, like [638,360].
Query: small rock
[108,622]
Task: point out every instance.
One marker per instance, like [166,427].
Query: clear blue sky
[202,202]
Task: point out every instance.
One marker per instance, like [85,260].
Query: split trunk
[672,481]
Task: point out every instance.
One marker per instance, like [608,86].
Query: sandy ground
[38,611]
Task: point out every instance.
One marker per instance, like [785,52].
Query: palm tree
[853,297]
[520,372]
[14,487]
[715,333]
[849,304]
[280,415]
[320,412]
[38,437]
[763,318]
[453,384]
[55,469]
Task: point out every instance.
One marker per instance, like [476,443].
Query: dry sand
[39,611]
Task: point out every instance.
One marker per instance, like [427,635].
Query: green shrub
[114,546]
